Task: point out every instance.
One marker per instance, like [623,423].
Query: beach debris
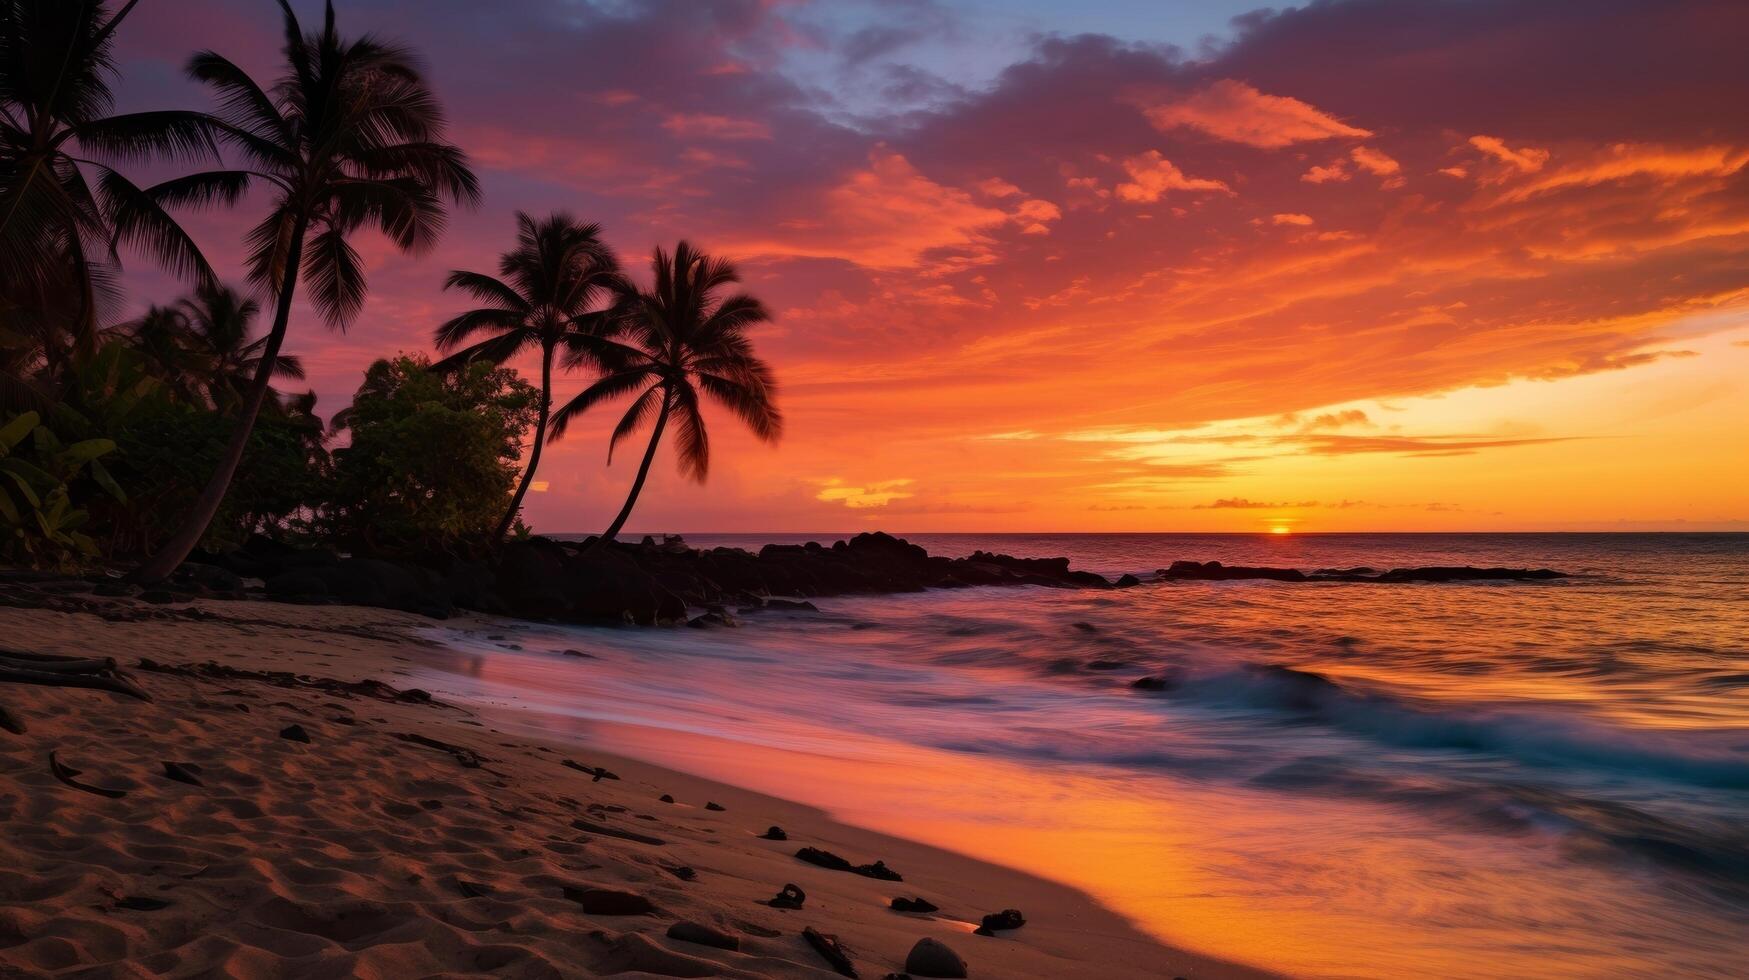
[684,873]
[665,798]
[688,931]
[826,859]
[832,951]
[1005,919]
[775,833]
[609,901]
[922,905]
[140,903]
[717,807]
[295,733]
[468,758]
[595,771]
[472,889]
[66,774]
[605,831]
[49,670]
[209,670]
[182,773]
[934,958]
[791,897]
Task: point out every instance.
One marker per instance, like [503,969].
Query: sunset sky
[1444,265]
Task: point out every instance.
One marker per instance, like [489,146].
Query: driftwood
[95,673]
[66,774]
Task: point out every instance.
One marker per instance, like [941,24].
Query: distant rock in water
[1214,571]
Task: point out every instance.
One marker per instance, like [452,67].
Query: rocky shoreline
[655,583]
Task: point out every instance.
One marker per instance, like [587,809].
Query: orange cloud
[1152,175]
[1374,161]
[1234,111]
[1293,219]
[1527,159]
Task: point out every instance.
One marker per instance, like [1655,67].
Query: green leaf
[101,474]
[88,450]
[13,432]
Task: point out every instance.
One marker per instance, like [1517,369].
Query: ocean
[1531,779]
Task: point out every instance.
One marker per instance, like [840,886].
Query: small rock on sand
[295,733]
[1005,919]
[775,833]
[716,807]
[791,897]
[914,905]
[703,935]
[609,901]
[665,798]
[933,958]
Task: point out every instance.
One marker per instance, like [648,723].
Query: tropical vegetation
[136,440]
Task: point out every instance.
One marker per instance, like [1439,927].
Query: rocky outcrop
[643,584]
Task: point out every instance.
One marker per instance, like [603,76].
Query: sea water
[1518,779]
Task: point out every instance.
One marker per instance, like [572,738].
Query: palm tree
[675,341]
[201,346]
[59,226]
[552,283]
[350,137]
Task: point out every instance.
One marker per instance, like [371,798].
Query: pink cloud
[709,126]
[1526,159]
[1232,110]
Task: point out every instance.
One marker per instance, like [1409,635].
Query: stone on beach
[609,901]
[934,958]
[703,935]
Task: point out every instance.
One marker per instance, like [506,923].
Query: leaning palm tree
[350,137]
[669,344]
[63,206]
[548,295]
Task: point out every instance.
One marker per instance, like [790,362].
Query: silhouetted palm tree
[552,286]
[350,136]
[58,225]
[201,346]
[675,341]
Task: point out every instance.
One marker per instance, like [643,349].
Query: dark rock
[158,597]
[609,901]
[832,951]
[1003,920]
[791,897]
[665,798]
[703,935]
[1126,580]
[718,807]
[934,958]
[914,905]
[1214,571]
[775,833]
[298,585]
[208,577]
[787,605]
[711,620]
[1085,627]
[1160,683]
[684,873]
[825,859]
[294,733]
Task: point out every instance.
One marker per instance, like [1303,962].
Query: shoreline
[327,808]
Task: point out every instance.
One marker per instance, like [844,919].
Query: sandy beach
[408,837]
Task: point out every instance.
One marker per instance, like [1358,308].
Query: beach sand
[410,838]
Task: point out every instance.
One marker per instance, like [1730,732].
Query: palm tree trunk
[540,438]
[643,469]
[206,506]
